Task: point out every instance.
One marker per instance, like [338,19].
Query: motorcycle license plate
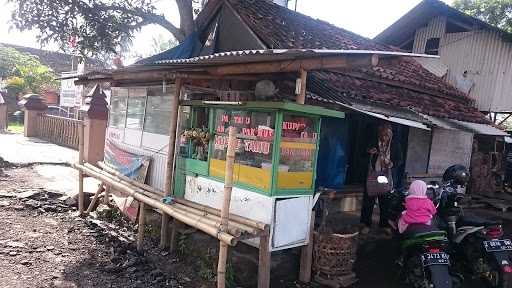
[498,245]
[439,258]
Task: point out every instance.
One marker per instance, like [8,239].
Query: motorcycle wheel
[500,279]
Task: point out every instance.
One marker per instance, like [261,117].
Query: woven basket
[334,254]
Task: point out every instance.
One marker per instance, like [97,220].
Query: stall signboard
[70,94]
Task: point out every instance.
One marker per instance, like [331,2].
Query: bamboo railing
[59,130]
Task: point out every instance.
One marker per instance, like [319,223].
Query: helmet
[458,174]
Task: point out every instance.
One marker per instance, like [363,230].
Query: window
[194,133]
[118,107]
[298,149]
[158,110]
[253,165]
[136,107]
[432,46]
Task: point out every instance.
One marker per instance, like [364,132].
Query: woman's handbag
[373,187]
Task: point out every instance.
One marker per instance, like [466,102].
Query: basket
[334,254]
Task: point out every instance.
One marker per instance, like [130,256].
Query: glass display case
[277,145]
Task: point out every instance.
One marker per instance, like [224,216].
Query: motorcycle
[478,244]
[423,261]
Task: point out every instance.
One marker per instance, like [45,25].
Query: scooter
[423,260]
[478,244]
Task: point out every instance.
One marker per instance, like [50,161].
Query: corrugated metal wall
[488,60]
[156,176]
[435,29]
[483,53]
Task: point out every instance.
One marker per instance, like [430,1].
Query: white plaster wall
[417,151]
[449,147]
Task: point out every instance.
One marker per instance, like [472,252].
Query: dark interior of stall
[343,151]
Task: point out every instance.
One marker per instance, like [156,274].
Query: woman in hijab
[384,154]
[418,208]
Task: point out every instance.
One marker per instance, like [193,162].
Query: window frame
[236,182]
[277,154]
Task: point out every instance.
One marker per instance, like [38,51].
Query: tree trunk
[187,25]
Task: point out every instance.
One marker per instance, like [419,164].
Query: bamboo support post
[106,196]
[164,229]
[306,254]
[140,229]
[80,173]
[187,218]
[224,213]
[94,199]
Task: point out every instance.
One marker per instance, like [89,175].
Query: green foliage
[495,12]
[24,73]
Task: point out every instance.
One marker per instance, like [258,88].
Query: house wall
[435,29]
[485,56]
[234,35]
[449,147]
[417,151]
[488,60]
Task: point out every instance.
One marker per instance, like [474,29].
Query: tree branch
[148,18]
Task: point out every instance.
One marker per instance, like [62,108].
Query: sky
[364,17]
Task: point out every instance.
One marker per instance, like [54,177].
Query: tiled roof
[406,82]
[338,87]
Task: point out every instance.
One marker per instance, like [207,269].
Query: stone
[26,262]
[18,207]
[4,203]
[33,204]
[28,194]
[13,253]
[49,248]
[63,284]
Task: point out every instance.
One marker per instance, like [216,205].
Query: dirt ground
[44,244]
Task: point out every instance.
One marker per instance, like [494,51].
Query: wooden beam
[164,229]
[81,195]
[317,63]
[306,254]
[94,199]
[264,262]
[140,229]
[301,97]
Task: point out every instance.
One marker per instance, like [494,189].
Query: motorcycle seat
[478,221]
[423,230]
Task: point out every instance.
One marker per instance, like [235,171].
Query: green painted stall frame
[279,110]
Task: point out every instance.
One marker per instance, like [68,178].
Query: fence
[59,130]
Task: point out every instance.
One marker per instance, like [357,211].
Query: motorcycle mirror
[382,180]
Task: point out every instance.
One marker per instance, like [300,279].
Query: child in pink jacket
[418,208]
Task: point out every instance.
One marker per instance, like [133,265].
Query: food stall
[275,166]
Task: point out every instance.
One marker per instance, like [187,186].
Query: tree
[495,12]
[98,26]
[24,73]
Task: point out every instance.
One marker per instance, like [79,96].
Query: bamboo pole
[80,173]
[190,204]
[301,96]
[224,213]
[116,173]
[94,199]
[187,218]
[164,229]
[140,229]
[106,196]
[208,219]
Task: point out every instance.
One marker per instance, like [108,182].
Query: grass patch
[15,127]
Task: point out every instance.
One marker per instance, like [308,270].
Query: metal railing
[59,130]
